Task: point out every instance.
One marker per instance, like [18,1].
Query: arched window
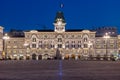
[85,38]
[59,39]
[33,39]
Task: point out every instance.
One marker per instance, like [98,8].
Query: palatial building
[59,43]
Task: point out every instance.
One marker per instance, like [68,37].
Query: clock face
[59,23]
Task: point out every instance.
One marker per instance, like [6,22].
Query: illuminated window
[79,46]
[59,45]
[73,41]
[14,51]
[40,41]
[14,46]
[98,51]
[85,51]
[67,46]
[66,36]
[9,51]
[45,36]
[33,45]
[104,41]
[98,41]
[111,46]
[85,39]
[73,46]
[85,46]
[72,36]
[104,46]
[111,41]
[20,51]
[33,39]
[79,36]
[97,46]
[52,46]
[67,42]
[15,41]
[59,39]
[40,46]
[79,41]
[8,41]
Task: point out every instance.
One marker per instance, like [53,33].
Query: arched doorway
[34,57]
[58,55]
[46,56]
[21,57]
[66,57]
[40,57]
[27,57]
[79,56]
[73,56]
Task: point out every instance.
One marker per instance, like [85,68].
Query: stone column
[24,57]
[76,57]
[62,57]
[18,57]
[36,57]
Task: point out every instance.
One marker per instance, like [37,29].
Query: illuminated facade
[1,40]
[59,43]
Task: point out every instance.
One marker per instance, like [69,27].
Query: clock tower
[59,23]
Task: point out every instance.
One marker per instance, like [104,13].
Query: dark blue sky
[35,14]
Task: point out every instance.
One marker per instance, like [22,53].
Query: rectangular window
[34,40]
[33,45]
[15,41]
[67,46]
[40,42]
[79,46]
[98,46]
[59,45]
[79,41]
[85,46]
[98,41]
[73,46]
[59,39]
[40,46]
[111,46]
[104,46]
[111,41]
[52,46]
[73,41]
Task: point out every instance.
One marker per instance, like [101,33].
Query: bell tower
[59,23]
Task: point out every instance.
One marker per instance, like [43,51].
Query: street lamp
[5,38]
[89,46]
[26,47]
[106,36]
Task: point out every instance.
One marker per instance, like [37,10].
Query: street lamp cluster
[5,38]
[26,45]
[106,36]
[89,46]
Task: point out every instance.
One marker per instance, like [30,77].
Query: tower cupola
[59,22]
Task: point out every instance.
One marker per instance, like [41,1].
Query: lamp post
[89,46]
[5,38]
[26,47]
[106,36]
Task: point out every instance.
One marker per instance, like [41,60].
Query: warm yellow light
[6,37]
[106,36]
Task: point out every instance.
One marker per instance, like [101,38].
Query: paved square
[59,70]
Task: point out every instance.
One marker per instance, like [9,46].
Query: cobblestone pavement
[59,70]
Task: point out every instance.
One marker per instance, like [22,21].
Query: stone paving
[59,70]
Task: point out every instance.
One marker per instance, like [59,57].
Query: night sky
[40,14]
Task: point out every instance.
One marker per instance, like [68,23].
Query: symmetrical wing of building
[59,43]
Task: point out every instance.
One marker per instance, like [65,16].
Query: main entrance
[34,57]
